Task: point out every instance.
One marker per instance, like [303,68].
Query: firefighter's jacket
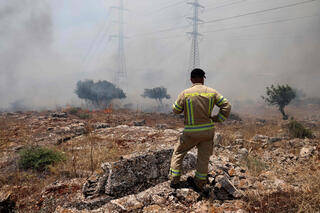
[197,104]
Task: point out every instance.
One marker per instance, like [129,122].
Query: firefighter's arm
[178,105]
[225,108]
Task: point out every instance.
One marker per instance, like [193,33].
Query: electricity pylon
[194,54]
[120,76]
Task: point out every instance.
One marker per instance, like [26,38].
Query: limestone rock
[59,115]
[134,174]
[139,123]
[101,125]
[243,153]
[161,126]
[217,138]
[226,184]
[306,151]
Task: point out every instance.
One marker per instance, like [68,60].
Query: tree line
[100,94]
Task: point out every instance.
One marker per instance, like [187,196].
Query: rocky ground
[118,162]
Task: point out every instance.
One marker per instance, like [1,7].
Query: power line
[103,30]
[160,31]
[171,5]
[224,5]
[222,19]
[258,12]
[164,7]
[262,23]
[249,25]
[103,43]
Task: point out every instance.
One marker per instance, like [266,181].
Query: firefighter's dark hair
[198,73]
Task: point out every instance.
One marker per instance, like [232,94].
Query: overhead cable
[258,12]
[223,19]
[224,5]
[249,25]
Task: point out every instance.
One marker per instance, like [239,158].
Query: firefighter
[197,104]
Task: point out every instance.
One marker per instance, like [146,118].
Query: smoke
[31,72]
[43,44]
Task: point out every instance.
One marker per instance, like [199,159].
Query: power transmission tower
[120,76]
[194,55]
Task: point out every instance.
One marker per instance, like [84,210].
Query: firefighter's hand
[215,118]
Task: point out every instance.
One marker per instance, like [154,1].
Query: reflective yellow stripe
[200,94]
[177,107]
[196,128]
[221,101]
[201,176]
[221,117]
[190,111]
[175,172]
[210,106]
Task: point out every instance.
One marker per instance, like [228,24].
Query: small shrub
[297,130]
[74,110]
[83,116]
[254,164]
[38,158]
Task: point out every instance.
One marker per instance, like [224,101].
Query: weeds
[254,164]
[74,110]
[297,130]
[83,116]
[79,113]
[275,202]
[37,158]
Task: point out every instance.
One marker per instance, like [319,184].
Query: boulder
[133,174]
[59,115]
[101,125]
[139,123]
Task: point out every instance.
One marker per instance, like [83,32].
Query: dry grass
[304,198]
[86,153]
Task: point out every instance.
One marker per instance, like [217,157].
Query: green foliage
[99,94]
[74,110]
[83,116]
[38,158]
[157,93]
[297,130]
[281,96]
[78,112]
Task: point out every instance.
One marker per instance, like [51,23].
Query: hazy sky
[46,46]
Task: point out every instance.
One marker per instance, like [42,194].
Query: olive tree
[280,96]
[99,94]
[157,93]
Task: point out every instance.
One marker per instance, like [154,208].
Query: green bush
[297,130]
[38,158]
[74,110]
[84,116]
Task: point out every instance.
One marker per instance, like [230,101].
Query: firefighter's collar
[195,84]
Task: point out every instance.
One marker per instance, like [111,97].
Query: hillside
[117,161]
